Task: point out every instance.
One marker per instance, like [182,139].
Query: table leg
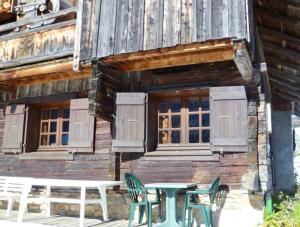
[103,202]
[82,205]
[171,219]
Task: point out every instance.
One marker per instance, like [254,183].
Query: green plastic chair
[138,195]
[205,209]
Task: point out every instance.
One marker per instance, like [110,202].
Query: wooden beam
[195,53]
[271,34]
[282,53]
[283,65]
[277,22]
[292,78]
[49,71]
[243,62]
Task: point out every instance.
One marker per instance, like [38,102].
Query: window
[54,128]
[184,120]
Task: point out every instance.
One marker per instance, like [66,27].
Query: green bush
[286,211]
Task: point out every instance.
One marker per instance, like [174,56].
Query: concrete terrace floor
[40,220]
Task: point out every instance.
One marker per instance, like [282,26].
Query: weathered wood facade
[172,90]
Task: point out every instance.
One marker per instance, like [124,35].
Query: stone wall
[264,161]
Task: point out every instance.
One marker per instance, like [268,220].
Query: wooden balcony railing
[20,44]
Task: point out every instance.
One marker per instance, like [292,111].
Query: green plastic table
[171,192]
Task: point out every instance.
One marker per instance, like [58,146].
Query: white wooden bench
[82,201]
[13,189]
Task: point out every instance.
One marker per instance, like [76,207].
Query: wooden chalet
[172,90]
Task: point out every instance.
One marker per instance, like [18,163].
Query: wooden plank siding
[231,168]
[126,26]
[99,165]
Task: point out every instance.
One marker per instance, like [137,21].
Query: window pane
[194,120]
[205,136]
[205,120]
[65,139]
[44,127]
[163,107]
[52,140]
[175,120]
[53,126]
[194,136]
[175,106]
[204,104]
[163,122]
[44,140]
[65,126]
[175,137]
[45,114]
[66,113]
[163,137]
[54,114]
[193,105]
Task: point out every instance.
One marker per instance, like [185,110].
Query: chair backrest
[14,184]
[213,189]
[3,184]
[134,186]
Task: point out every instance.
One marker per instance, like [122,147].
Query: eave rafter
[279,29]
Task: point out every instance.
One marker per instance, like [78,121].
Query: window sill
[200,155]
[49,155]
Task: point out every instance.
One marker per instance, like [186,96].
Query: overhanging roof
[278,25]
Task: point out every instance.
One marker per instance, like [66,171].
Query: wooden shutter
[14,127]
[130,122]
[82,125]
[33,129]
[229,124]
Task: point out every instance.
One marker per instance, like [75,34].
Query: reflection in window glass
[163,122]
[65,126]
[45,127]
[65,139]
[175,120]
[175,137]
[205,104]
[52,140]
[54,114]
[205,136]
[175,106]
[66,113]
[194,120]
[45,114]
[163,107]
[163,137]
[53,126]
[205,120]
[44,140]
[193,105]
[194,136]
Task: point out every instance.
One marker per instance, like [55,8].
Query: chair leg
[159,212]
[210,216]
[205,215]
[10,203]
[189,217]
[141,213]
[149,215]
[131,215]
[184,213]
